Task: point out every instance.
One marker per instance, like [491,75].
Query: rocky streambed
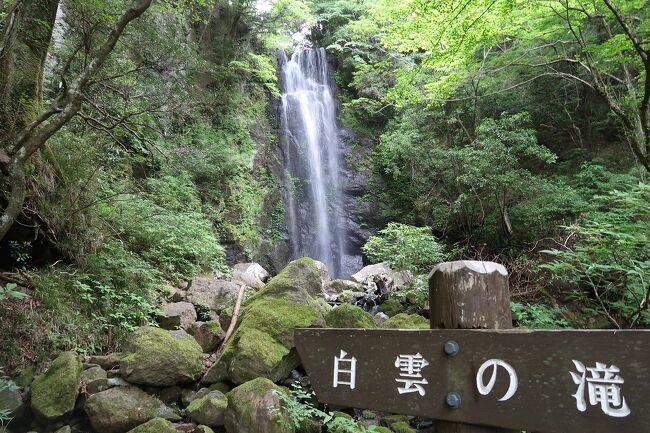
[170,378]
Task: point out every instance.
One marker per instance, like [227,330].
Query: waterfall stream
[311,150]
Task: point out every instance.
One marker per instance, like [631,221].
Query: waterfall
[311,150]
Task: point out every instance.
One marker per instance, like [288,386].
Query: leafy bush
[405,248]
[537,316]
[609,263]
[6,384]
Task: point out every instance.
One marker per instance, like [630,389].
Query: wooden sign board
[542,381]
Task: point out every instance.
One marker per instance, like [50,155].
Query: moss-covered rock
[221,386]
[93,373]
[54,393]
[254,407]
[160,358]
[203,429]
[209,409]
[262,345]
[348,316]
[382,429]
[391,307]
[122,408]
[309,425]
[156,425]
[257,354]
[301,274]
[389,420]
[406,321]
[402,427]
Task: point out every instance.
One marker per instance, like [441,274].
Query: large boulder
[210,293]
[157,357]
[177,314]
[155,425]
[120,409]
[54,393]
[209,409]
[254,407]
[348,316]
[262,345]
[381,272]
[250,274]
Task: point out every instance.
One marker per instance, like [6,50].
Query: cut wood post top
[475,266]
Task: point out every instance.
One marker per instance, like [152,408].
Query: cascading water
[311,148]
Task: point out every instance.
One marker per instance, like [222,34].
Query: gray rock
[120,409]
[250,274]
[93,373]
[212,293]
[107,362]
[177,314]
[398,279]
[337,286]
[208,334]
[380,318]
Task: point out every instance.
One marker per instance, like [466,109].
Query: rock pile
[166,380]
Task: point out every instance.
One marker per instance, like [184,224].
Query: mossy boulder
[301,274]
[257,354]
[348,316]
[122,408]
[254,407]
[156,425]
[209,409]
[157,357]
[402,427]
[391,307]
[262,345]
[309,425]
[406,321]
[54,393]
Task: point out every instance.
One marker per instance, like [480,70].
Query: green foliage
[537,316]
[299,407]
[6,384]
[609,263]
[9,291]
[405,248]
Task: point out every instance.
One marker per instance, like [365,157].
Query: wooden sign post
[543,381]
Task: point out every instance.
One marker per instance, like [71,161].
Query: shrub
[609,263]
[405,248]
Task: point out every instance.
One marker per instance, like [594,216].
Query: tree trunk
[24,44]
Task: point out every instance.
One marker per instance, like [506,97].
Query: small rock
[208,334]
[155,425]
[324,274]
[381,269]
[203,429]
[379,318]
[177,314]
[169,395]
[96,385]
[335,287]
[177,295]
[64,429]
[93,373]
[117,381]
[209,409]
[187,427]
[107,362]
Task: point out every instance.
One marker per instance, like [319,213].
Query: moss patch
[156,425]
[402,427]
[209,409]
[391,307]
[54,393]
[254,408]
[348,316]
[406,321]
